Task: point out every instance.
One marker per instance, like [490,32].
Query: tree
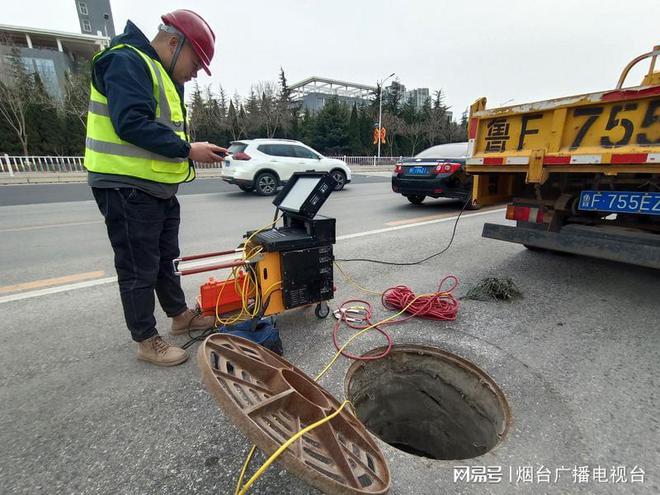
[394,126]
[73,110]
[232,122]
[355,141]
[368,115]
[197,114]
[15,97]
[286,110]
[438,123]
[43,120]
[392,98]
[269,113]
[76,93]
[308,127]
[331,128]
[413,126]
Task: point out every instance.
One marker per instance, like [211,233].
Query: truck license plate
[646,203]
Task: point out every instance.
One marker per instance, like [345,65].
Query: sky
[510,51]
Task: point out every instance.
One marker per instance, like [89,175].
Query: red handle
[207,255]
[209,268]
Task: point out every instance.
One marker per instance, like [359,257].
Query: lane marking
[55,290]
[434,217]
[48,282]
[417,219]
[419,224]
[52,225]
[108,280]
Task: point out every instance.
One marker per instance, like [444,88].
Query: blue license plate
[646,203]
[417,170]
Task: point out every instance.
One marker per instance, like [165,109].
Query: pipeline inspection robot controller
[286,267]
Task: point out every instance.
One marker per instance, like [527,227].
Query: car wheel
[416,199]
[266,184]
[246,188]
[340,178]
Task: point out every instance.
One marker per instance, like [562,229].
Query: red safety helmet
[197,32]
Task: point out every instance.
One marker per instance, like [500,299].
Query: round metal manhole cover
[428,402]
[270,400]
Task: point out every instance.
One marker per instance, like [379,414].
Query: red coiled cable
[441,305]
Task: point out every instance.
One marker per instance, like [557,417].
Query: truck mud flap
[606,242]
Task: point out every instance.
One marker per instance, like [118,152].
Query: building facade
[95,17]
[313,93]
[49,53]
[419,97]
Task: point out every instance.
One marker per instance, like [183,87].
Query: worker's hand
[206,152]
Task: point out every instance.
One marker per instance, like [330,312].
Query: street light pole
[380,110]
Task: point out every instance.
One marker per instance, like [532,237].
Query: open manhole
[428,402]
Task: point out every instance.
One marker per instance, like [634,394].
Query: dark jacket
[123,77]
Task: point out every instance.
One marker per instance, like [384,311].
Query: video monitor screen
[299,193]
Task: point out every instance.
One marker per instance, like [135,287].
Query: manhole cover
[270,400]
[428,402]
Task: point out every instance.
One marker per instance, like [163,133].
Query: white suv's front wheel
[340,178]
[265,184]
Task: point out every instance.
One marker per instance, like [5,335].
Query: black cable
[199,338]
[453,233]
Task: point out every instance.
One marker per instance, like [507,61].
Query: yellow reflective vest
[107,153]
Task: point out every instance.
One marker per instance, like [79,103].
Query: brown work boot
[156,351]
[190,321]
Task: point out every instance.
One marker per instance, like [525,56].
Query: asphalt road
[576,358]
[27,194]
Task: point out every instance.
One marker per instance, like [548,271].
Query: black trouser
[144,233]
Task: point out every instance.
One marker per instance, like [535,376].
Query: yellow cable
[241,490]
[247,241]
[260,471]
[355,336]
[245,466]
[285,446]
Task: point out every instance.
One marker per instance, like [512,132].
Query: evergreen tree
[392,98]
[331,136]
[286,110]
[197,114]
[367,119]
[355,141]
[252,122]
[43,121]
[308,128]
[232,122]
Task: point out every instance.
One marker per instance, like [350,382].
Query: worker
[137,153]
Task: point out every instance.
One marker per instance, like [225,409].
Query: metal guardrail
[59,164]
[12,164]
[55,164]
[369,160]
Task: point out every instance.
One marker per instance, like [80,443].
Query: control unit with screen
[305,193]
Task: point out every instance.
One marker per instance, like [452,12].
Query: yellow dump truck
[581,173]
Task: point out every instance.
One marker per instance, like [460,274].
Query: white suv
[262,165]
